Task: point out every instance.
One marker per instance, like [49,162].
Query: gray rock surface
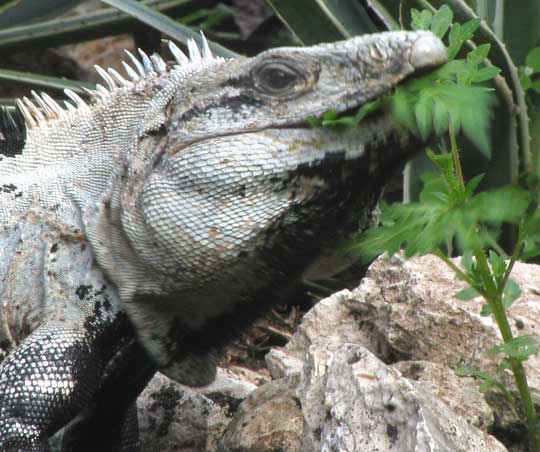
[173,417]
[409,334]
[269,420]
[371,369]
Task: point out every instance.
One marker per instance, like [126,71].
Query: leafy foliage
[449,97]
[488,382]
[529,74]
[519,348]
[447,211]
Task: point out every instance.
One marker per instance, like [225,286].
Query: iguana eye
[277,78]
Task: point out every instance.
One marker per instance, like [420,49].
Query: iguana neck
[72,155]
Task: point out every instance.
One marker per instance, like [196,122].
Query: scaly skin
[142,231]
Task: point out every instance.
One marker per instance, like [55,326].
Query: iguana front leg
[80,348]
[61,372]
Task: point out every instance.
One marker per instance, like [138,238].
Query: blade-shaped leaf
[26,11]
[106,22]
[165,24]
[43,81]
[329,20]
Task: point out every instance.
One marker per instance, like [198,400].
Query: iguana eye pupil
[277,78]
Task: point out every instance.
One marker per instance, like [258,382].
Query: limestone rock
[370,406]
[404,313]
[269,420]
[173,417]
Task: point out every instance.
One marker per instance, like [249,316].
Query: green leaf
[424,115]
[43,81]
[472,184]
[15,13]
[209,18]
[504,205]
[498,265]
[486,310]
[315,21]
[511,293]
[459,34]
[488,381]
[442,20]
[469,27]
[165,24]
[97,24]
[467,294]
[533,59]
[484,74]
[421,20]
[422,106]
[402,106]
[535,86]
[520,347]
[479,54]
[440,118]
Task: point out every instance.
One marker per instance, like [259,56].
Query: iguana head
[229,195]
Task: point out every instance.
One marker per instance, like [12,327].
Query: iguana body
[139,232]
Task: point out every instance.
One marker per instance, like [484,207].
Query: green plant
[450,214]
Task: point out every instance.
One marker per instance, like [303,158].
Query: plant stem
[455,155]
[493,296]
[461,275]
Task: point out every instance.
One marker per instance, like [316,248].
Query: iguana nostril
[427,51]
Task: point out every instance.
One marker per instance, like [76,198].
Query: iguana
[140,230]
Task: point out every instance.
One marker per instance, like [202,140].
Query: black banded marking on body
[12,133]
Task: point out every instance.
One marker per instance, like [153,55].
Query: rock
[173,417]
[396,341]
[282,364]
[370,406]
[411,314]
[460,394]
[269,420]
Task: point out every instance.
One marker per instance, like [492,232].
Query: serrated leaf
[484,74]
[498,266]
[455,41]
[440,118]
[533,59]
[511,293]
[520,347]
[504,205]
[475,119]
[403,110]
[459,33]
[488,381]
[441,21]
[472,184]
[467,294]
[479,54]
[423,112]
[469,27]
[421,20]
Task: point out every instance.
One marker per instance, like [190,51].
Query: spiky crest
[43,109]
